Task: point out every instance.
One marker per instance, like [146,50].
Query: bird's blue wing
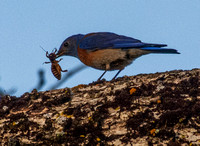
[106,40]
[103,40]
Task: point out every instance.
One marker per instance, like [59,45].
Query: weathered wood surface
[160,108]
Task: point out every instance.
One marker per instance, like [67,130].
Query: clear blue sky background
[25,25]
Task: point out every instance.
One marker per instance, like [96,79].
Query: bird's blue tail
[160,50]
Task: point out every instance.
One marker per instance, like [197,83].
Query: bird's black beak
[60,53]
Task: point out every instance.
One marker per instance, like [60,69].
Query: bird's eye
[66,44]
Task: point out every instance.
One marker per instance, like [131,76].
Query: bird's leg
[107,68]
[117,74]
[102,75]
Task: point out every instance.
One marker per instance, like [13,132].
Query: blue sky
[27,25]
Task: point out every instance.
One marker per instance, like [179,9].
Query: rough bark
[160,108]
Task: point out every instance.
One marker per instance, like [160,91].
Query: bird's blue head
[69,46]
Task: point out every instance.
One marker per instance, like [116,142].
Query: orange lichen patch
[66,91]
[57,116]
[79,86]
[158,101]
[153,132]
[90,119]
[14,123]
[69,116]
[118,108]
[98,139]
[132,91]
[82,135]
[181,119]
[65,115]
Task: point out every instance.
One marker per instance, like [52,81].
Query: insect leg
[54,50]
[47,54]
[60,59]
[64,70]
[46,62]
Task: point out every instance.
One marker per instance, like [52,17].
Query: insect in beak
[55,67]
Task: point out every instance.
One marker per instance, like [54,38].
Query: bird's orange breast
[85,56]
[103,59]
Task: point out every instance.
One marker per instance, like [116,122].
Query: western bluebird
[108,51]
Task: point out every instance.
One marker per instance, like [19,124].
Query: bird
[108,51]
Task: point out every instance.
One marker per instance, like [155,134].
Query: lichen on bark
[160,108]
